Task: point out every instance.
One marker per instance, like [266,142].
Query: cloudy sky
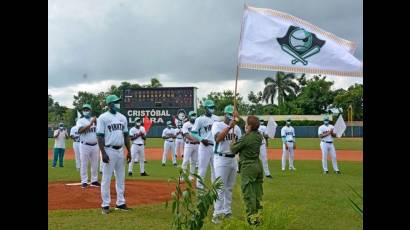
[93,44]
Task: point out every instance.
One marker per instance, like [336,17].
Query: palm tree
[282,86]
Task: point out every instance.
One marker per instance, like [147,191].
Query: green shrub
[190,206]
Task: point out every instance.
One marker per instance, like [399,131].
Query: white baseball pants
[137,152]
[285,152]
[328,148]
[225,167]
[76,147]
[137,157]
[169,146]
[179,147]
[116,165]
[89,154]
[205,158]
[264,158]
[191,156]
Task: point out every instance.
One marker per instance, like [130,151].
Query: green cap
[288,119]
[88,106]
[208,103]
[228,109]
[191,113]
[169,123]
[111,98]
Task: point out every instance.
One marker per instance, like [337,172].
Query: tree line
[282,94]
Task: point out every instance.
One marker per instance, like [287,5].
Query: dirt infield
[136,192]
[273,154]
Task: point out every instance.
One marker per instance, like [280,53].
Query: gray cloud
[188,41]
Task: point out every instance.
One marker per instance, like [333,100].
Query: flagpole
[236,86]
[237,62]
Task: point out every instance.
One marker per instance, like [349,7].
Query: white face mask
[229,117]
[86,113]
[137,124]
[117,106]
[211,111]
[326,123]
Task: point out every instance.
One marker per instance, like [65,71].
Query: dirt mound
[62,196]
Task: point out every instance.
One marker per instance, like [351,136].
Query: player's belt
[76,141]
[212,144]
[82,142]
[289,141]
[179,137]
[328,142]
[137,144]
[113,147]
[225,155]
[169,141]
[192,143]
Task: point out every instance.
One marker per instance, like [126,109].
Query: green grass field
[302,143]
[310,200]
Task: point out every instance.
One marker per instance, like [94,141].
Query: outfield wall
[301,131]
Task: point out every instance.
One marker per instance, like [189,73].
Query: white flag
[276,41]
[271,127]
[78,115]
[340,126]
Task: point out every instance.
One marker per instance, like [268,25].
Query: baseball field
[304,199]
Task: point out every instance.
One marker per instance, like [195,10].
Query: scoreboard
[158,104]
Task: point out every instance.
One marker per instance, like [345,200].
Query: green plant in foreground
[190,206]
[273,216]
[354,204]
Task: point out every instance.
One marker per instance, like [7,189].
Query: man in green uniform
[250,168]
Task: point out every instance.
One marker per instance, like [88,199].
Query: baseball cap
[88,106]
[111,98]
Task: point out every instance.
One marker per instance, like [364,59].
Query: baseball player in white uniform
[179,140]
[76,145]
[289,144]
[326,135]
[112,132]
[137,136]
[191,145]
[89,151]
[225,163]
[264,155]
[202,132]
[169,134]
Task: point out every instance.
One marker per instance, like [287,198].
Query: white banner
[276,41]
[340,126]
[271,127]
